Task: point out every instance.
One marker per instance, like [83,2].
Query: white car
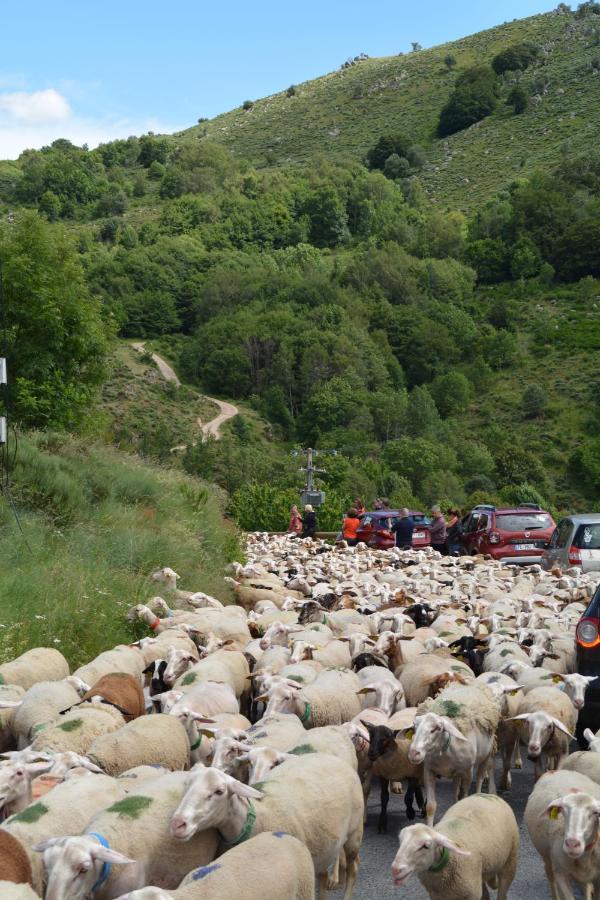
[575,542]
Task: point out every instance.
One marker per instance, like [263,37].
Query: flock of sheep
[233,750]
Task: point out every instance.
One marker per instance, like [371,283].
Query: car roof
[516,511]
[587,519]
[386,513]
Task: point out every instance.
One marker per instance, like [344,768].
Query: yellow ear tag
[409,734]
[554,813]
[557,679]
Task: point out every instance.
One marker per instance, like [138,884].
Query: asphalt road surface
[378,850]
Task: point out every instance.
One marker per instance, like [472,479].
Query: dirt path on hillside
[226,410]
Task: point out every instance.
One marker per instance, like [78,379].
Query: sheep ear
[443,841]
[367,725]
[10,704]
[451,729]
[111,856]
[244,790]
[38,768]
[589,735]
[264,698]
[523,717]
[367,689]
[553,809]
[50,842]
[558,724]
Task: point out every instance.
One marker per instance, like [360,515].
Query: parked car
[516,535]
[375,529]
[587,642]
[575,542]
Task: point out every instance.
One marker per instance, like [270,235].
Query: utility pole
[309,494]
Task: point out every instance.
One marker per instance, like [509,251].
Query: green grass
[340,115]
[98,522]
[140,412]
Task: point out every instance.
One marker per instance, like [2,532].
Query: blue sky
[92,71]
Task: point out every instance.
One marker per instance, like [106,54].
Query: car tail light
[575,556]
[587,633]
[495,537]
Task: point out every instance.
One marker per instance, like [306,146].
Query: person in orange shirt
[350,527]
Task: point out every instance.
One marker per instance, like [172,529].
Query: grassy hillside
[140,412]
[340,115]
[96,523]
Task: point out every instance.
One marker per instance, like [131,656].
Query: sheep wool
[78,729]
[332,739]
[11,891]
[39,664]
[137,826]
[41,704]
[66,809]
[14,861]
[486,826]
[120,659]
[333,698]
[271,866]
[470,707]
[151,740]
[584,762]
[8,692]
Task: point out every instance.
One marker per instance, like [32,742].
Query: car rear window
[421,520]
[523,521]
[588,537]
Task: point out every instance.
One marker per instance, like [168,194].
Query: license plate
[525,547]
[418,534]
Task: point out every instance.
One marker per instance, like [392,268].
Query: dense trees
[475,96]
[56,339]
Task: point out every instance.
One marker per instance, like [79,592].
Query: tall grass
[98,522]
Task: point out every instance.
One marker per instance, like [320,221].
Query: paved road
[378,851]
[226,410]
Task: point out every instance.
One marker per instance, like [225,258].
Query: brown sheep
[14,861]
[122,691]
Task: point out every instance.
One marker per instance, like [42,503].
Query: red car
[518,535]
[375,529]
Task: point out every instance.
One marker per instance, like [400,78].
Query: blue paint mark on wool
[204,871]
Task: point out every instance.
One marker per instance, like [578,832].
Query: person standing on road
[454,532]
[309,522]
[295,526]
[359,506]
[438,530]
[350,527]
[403,529]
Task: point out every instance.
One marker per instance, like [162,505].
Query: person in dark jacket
[454,532]
[309,522]
[403,529]
[438,530]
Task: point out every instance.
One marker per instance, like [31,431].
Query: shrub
[291,91]
[450,61]
[515,58]
[474,97]
[386,146]
[534,401]
[518,99]
[247,104]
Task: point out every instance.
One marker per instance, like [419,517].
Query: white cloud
[36,106]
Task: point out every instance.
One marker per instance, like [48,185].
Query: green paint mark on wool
[260,786]
[449,708]
[131,807]
[505,652]
[446,634]
[39,727]
[296,678]
[2,679]
[302,749]
[71,725]
[189,678]
[457,668]
[31,814]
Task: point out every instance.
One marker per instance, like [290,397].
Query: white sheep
[39,664]
[316,797]
[380,688]
[11,891]
[132,835]
[454,737]
[551,720]
[78,728]
[65,809]
[39,705]
[475,846]
[562,819]
[428,673]
[123,658]
[331,739]
[151,740]
[271,866]
[330,700]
